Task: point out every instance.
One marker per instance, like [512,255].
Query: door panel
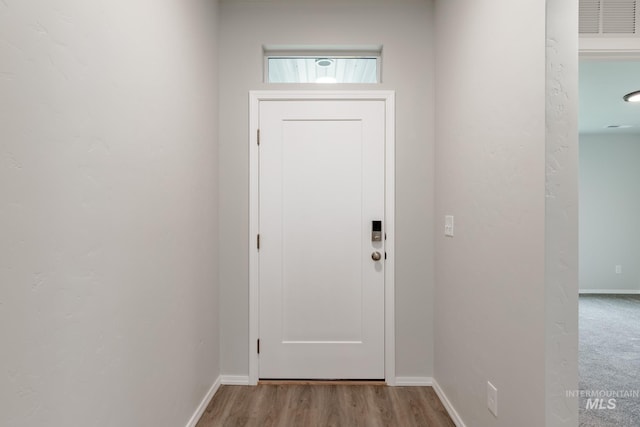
[316,273]
[321,185]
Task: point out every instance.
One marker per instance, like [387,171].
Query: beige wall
[500,313]
[108,276]
[405,30]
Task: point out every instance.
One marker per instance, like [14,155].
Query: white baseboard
[609,291]
[222,379]
[234,379]
[203,405]
[414,381]
[455,417]
[430,382]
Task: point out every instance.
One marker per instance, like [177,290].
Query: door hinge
[385,255]
[258,242]
[258,345]
[258,136]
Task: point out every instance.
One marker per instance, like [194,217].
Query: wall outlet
[618,269]
[492,399]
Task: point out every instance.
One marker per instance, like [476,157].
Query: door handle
[376,256]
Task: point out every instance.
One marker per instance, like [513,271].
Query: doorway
[609,307]
[321,257]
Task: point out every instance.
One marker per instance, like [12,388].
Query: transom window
[322,67]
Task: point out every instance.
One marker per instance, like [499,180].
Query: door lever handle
[376,256]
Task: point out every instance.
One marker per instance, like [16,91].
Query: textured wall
[506,167]
[490,174]
[405,30]
[561,214]
[108,272]
[609,208]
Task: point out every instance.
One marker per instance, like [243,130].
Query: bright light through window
[322,69]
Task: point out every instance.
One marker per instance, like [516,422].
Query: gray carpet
[610,360]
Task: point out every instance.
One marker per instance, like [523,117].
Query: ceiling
[602,86]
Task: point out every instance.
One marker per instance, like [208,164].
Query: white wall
[609,212]
[561,214]
[490,174]
[405,30]
[108,293]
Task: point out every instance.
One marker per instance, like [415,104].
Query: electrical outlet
[618,269]
[492,399]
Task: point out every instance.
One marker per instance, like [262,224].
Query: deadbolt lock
[376,231]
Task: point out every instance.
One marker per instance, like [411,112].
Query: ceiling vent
[608,17]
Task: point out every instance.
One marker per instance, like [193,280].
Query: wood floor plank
[324,405]
[322,382]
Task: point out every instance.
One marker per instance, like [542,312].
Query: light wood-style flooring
[336,405]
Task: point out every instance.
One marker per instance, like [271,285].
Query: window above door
[322,65]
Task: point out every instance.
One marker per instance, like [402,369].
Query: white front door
[321,189]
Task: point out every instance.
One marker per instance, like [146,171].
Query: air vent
[589,17]
[608,17]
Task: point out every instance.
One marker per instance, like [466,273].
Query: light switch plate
[448,225]
[492,399]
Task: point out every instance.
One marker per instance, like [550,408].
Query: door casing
[255,97]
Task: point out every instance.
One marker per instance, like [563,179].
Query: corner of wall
[561,224]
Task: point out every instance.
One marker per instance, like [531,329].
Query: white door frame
[389,294]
